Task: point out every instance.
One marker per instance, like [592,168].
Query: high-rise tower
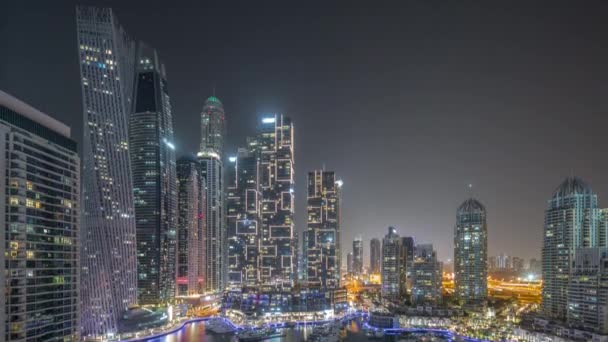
[190,227]
[391,264]
[109,266]
[39,243]
[154,181]
[211,158]
[358,256]
[375,256]
[275,146]
[572,221]
[323,233]
[470,253]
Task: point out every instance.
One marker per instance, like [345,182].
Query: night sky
[407,104]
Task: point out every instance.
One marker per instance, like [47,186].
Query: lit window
[29,203]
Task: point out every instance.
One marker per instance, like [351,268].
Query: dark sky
[408,103]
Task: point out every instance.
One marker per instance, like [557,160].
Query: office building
[588,290]
[572,220]
[375,256]
[426,276]
[391,265]
[323,233]
[408,249]
[39,244]
[243,215]
[210,157]
[108,240]
[470,253]
[154,181]
[190,227]
[358,256]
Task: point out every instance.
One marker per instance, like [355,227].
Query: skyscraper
[243,213]
[190,227]
[391,264]
[109,265]
[154,181]
[375,256]
[572,220]
[39,242]
[349,262]
[426,276]
[470,253]
[323,234]
[408,248]
[275,147]
[211,158]
[358,256]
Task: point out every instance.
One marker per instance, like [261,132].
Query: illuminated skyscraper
[154,180]
[572,221]
[109,264]
[190,227]
[39,243]
[375,255]
[243,213]
[323,235]
[212,167]
[278,241]
[349,262]
[426,276]
[358,256]
[470,253]
[391,264]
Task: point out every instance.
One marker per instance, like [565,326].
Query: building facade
[408,249]
[211,156]
[274,145]
[349,263]
[391,265]
[190,227]
[108,240]
[243,214]
[375,256]
[572,220]
[152,155]
[470,253]
[39,245]
[426,276]
[358,256]
[588,290]
[322,242]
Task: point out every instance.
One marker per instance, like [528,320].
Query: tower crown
[572,186]
[471,205]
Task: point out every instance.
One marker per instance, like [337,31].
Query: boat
[258,334]
[374,333]
[219,326]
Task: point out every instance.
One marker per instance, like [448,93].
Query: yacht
[219,326]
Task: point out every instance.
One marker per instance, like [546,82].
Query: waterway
[353,331]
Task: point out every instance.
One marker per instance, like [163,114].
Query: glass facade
[471,254]
[322,243]
[154,180]
[109,266]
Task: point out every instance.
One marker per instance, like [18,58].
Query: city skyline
[514,189]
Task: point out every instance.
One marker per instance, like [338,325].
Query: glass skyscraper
[108,240]
[572,220]
[375,256]
[190,227]
[322,244]
[154,181]
[210,157]
[243,214]
[358,256]
[391,265]
[39,243]
[471,253]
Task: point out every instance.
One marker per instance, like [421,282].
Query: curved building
[212,168]
[572,221]
[470,253]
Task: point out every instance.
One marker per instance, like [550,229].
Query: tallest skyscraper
[108,240]
[212,169]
